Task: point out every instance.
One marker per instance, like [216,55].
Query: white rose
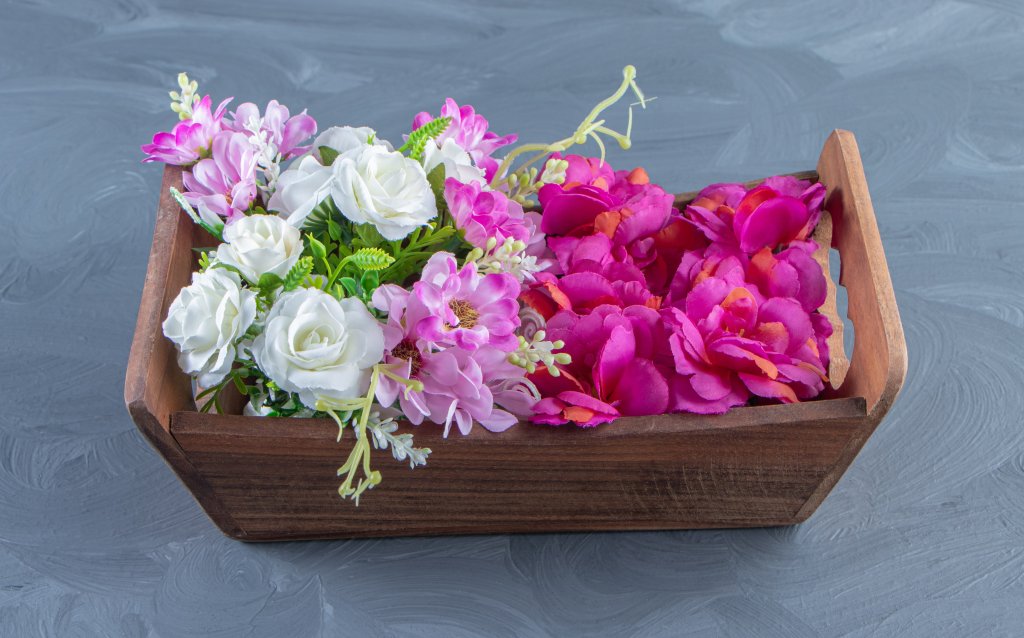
[383,188]
[260,244]
[307,182]
[205,321]
[300,189]
[319,347]
[345,139]
[457,162]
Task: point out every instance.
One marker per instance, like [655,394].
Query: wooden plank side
[754,466]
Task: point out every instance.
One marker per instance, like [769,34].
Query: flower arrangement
[435,282]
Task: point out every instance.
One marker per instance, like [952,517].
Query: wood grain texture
[273,479]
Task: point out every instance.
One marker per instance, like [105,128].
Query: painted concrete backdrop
[924,536]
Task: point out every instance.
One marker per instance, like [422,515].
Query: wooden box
[274,479]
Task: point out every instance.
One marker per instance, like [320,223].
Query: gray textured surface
[923,536]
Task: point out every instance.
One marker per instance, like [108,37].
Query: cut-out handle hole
[843,335]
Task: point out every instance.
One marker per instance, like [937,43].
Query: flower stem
[590,127]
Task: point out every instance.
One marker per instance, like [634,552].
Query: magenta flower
[285,131]
[729,342]
[485,214]
[461,307]
[613,371]
[586,171]
[627,210]
[225,183]
[792,272]
[470,132]
[780,211]
[190,139]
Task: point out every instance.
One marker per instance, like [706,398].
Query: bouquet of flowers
[433,282]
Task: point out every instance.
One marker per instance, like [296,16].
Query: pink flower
[780,211]
[461,307]
[586,171]
[285,131]
[614,369]
[459,386]
[189,139]
[636,216]
[792,272]
[729,342]
[485,214]
[470,132]
[225,183]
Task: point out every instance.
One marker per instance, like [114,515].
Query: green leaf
[214,230]
[350,285]
[327,155]
[369,235]
[317,248]
[333,229]
[369,281]
[316,221]
[299,271]
[436,179]
[370,259]
[269,282]
[418,139]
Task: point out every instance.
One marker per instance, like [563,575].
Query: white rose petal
[300,189]
[347,139]
[457,162]
[319,347]
[206,320]
[383,188]
[260,244]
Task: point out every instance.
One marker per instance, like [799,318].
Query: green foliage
[319,218]
[318,249]
[327,155]
[416,249]
[298,273]
[370,259]
[204,259]
[214,229]
[269,282]
[417,140]
[368,235]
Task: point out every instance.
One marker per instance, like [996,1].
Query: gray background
[923,536]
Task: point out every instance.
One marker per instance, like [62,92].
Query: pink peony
[225,183]
[285,131]
[586,171]
[485,214]
[729,342]
[780,211]
[190,139]
[470,132]
[614,369]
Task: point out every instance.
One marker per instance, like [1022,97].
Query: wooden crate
[263,479]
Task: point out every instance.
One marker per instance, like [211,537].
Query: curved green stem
[590,127]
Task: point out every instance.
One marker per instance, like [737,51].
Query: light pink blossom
[287,132]
[224,183]
[470,131]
